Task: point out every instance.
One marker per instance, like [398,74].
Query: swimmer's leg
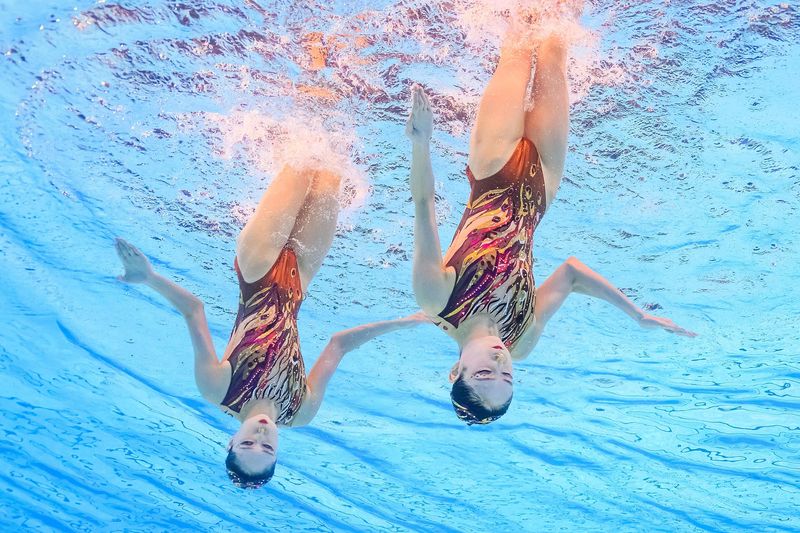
[547,124]
[313,233]
[268,230]
[501,116]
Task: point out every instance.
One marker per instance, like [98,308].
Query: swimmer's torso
[491,249]
[265,356]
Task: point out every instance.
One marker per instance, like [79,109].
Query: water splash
[268,142]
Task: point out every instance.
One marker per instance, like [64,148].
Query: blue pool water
[681,187]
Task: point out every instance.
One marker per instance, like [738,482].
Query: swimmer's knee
[255,259]
[254,248]
[299,177]
[327,182]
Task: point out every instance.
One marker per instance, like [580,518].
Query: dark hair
[469,406]
[242,479]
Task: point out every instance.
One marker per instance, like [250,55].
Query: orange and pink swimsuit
[491,250]
[266,360]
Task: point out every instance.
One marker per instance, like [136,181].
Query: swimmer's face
[485,365]
[256,444]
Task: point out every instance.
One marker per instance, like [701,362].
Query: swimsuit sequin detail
[266,360]
[491,250]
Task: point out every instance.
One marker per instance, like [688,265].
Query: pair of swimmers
[481,292]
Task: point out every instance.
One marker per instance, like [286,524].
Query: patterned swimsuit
[491,250]
[266,361]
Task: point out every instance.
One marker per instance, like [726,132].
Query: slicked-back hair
[242,479]
[469,406]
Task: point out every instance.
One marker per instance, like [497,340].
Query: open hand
[420,123]
[137,267]
[650,321]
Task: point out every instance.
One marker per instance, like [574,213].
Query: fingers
[670,327]
[420,317]
[122,250]
[125,249]
[419,100]
[426,103]
[674,328]
[414,97]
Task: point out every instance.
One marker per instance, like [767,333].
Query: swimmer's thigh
[547,124]
[313,233]
[268,230]
[500,123]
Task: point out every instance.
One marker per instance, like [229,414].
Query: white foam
[301,140]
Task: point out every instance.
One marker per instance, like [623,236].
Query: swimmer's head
[252,452]
[482,381]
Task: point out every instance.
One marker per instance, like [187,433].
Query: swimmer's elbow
[573,268]
[338,343]
[194,308]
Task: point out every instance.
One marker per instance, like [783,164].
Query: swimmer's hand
[420,317]
[420,123]
[137,267]
[650,321]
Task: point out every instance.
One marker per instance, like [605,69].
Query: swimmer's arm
[575,277]
[432,282]
[340,344]
[211,377]
[430,279]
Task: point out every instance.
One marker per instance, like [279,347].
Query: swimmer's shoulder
[214,385]
[524,345]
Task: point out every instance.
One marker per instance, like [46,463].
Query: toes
[417,92]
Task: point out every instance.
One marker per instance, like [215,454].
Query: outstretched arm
[574,276]
[431,281]
[340,344]
[212,379]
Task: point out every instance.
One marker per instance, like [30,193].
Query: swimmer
[261,379]
[482,292]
